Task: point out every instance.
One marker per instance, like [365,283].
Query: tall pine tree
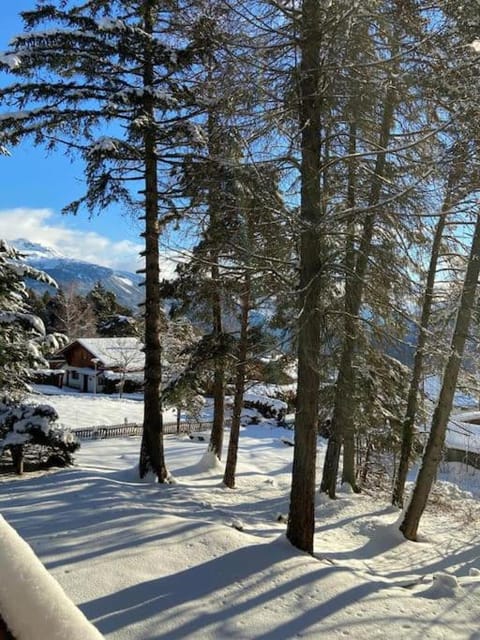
[101,79]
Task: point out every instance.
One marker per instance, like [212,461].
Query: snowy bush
[23,340]
[268,407]
[25,428]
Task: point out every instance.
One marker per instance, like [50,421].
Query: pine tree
[24,426]
[23,345]
[103,80]
[255,242]
[220,85]
[112,319]
[23,338]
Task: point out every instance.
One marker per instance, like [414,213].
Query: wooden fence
[133,429]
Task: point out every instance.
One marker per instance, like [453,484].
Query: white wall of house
[76,380]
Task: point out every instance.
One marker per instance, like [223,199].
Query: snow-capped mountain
[69,272]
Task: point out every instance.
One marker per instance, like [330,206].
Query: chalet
[88,363]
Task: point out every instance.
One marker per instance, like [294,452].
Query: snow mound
[346,488]
[444,586]
[32,603]
[209,462]
[451,491]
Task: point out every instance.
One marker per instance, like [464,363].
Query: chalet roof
[114,352]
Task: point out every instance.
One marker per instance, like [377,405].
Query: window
[75,375]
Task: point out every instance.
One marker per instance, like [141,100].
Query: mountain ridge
[82,275]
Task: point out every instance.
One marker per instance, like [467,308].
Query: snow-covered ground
[195,560]
[78,410]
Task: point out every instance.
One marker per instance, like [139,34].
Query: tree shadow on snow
[211,597]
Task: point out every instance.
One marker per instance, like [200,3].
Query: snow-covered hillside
[83,275]
[195,560]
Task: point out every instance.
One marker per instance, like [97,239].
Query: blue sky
[34,186]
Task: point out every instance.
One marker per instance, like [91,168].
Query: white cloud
[36,225]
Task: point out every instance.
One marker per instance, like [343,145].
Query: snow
[475,46]
[111,24]
[32,603]
[104,143]
[274,403]
[78,410]
[193,559]
[123,352]
[10,60]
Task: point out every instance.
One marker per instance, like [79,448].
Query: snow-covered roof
[125,353]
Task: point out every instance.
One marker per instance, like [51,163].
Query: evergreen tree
[112,319]
[23,344]
[256,239]
[23,338]
[102,78]
[24,426]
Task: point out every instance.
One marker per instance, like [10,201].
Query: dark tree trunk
[231,464]
[342,420]
[433,451]
[349,322]
[366,462]
[152,457]
[17,453]
[412,399]
[301,521]
[216,436]
[214,212]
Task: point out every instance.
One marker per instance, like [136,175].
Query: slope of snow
[195,560]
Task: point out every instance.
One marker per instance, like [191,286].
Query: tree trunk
[17,453]
[179,410]
[231,464]
[349,323]
[301,521]
[366,462]
[216,436]
[152,457]
[342,420]
[433,451]
[214,212]
[412,399]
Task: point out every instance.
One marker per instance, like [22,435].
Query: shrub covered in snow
[267,406]
[23,341]
[25,426]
